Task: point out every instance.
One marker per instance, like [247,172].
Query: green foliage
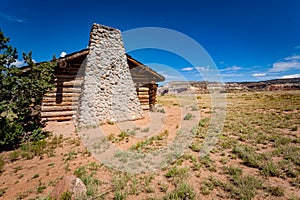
[177,173]
[66,196]
[21,92]
[276,190]
[2,191]
[1,164]
[248,155]
[188,116]
[184,191]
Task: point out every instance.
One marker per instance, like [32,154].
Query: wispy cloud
[12,18]
[232,68]
[287,63]
[294,57]
[187,69]
[291,76]
[297,47]
[203,69]
[230,75]
[259,74]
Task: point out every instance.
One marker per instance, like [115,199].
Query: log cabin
[61,103]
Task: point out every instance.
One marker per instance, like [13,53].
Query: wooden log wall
[152,94]
[143,94]
[61,103]
[147,95]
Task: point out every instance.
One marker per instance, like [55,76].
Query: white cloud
[259,74]
[12,18]
[233,68]
[203,69]
[287,63]
[294,57]
[187,69]
[230,75]
[291,76]
[63,54]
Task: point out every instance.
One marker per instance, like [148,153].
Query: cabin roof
[138,70]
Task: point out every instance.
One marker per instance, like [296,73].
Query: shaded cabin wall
[61,103]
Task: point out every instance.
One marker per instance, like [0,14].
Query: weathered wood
[67,76]
[143,93]
[57,114]
[66,89]
[143,89]
[143,96]
[63,118]
[61,104]
[75,83]
[58,108]
[66,79]
[62,94]
[53,99]
[144,100]
[145,107]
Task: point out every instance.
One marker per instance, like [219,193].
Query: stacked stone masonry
[108,92]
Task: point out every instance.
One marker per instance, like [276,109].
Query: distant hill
[176,87]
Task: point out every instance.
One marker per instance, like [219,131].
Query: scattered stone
[70,184]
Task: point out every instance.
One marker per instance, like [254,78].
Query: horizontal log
[64,99]
[65,75]
[143,96]
[67,79]
[66,89]
[58,108]
[60,104]
[143,93]
[144,107]
[144,100]
[57,114]
[74,83]
[62,94]
[143,89]
[64,118]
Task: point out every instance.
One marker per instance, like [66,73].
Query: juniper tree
[21,92]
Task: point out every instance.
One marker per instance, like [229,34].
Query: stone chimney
[108,91]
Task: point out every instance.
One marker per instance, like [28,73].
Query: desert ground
[256,156]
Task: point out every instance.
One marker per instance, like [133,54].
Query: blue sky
[247,40]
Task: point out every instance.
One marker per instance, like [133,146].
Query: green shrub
[184,191]
[21,96]
[276,190]
[188,116]
[270,169]
[66,196]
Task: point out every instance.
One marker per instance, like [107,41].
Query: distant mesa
[198,87]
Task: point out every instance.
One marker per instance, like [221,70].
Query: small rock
[71,184]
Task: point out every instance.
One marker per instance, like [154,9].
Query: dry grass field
[256,157]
